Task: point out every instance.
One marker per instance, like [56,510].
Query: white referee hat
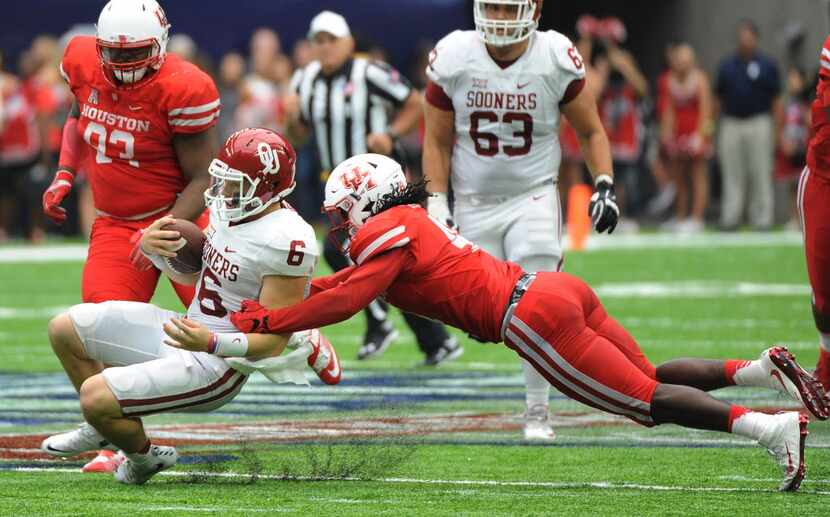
[330,22]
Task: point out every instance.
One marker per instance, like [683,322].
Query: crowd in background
[680,142]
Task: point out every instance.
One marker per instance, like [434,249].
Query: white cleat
[784,441]
[787,376]
[159,458]
[537,424]
[83,439]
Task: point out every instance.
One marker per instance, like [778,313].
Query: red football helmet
[254,169]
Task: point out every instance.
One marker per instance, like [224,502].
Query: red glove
[54,195]
[252,317]
[137,258]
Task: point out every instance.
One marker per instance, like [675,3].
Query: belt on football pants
[518,291]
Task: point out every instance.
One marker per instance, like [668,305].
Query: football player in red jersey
[143,121]
[552,320]
[813,196]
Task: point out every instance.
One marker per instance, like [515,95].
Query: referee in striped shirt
[345,101]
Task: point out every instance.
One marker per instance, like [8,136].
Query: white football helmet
[501,32]
[355,188]
[132,38]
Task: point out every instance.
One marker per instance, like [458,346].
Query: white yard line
[77,252]
[698,289]
[12,313]
[599,485]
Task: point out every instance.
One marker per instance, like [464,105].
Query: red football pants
[814,208]
[562,329]
[109,274]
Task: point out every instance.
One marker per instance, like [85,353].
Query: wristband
[228,345]
[70,145]
[603,178]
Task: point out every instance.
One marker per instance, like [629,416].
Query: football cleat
[822,372]
[323,359]
[377,341]
[138,472]
[449,350]
[83,439]
[106,462]
[787,376]
[784,441]
[537,424]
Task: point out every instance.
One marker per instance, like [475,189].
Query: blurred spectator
[793,136]
[260,104]
[666,189]
[229,82]
[183,46]
[302,54]
[686,130]
[748,86]
[20,146]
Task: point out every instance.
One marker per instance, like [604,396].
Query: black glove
[603,208]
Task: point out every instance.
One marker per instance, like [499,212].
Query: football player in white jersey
[494,100]
[129,359]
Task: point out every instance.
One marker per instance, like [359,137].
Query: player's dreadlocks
[412,194]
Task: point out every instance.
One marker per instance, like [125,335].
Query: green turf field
[396,438]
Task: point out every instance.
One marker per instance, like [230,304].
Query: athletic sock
[141,455]
[538,388]
[750,424]
[824,341]
[746,373]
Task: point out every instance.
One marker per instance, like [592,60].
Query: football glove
[54,195]
[439,208]
[603,208]
[137,256]
[252,317]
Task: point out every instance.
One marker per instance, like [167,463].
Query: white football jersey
[236,257]
[506,120]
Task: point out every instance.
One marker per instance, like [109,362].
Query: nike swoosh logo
[334,371]
[520,86]
[538,197]
[228,250]
[49,447]
[777,377]
[135,108]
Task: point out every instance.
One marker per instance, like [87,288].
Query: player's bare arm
[438,141]
[194,153]
[408,117]
[277,291]
[582,114]
[295,130]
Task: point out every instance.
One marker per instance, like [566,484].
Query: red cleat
[106,462]
[788,376]
[822,372]
[323,359]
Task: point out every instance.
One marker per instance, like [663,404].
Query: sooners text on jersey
[132,164]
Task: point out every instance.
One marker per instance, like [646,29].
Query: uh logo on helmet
[354,190]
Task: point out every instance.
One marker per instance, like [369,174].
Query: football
[188,259]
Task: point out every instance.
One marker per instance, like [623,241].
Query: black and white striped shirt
[344,108]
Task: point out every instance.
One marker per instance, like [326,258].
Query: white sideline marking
[698,289]
[602,485]
[11,313]
[77,252]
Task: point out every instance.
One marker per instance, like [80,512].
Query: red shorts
[109,274]
[814,208]
[561,328]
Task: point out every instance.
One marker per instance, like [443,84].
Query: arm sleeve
[387,82]
[327,282]
[438,98]
[377,237]
[362,285]
[442,65]
[569,66]
[195,107]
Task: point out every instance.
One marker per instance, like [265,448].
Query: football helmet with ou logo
[521,21]
[254,170]
[354,190]
[131,39]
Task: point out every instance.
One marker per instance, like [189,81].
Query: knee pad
[85,317]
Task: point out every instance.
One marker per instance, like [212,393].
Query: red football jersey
[446,277]
[818,154]
[132,166]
